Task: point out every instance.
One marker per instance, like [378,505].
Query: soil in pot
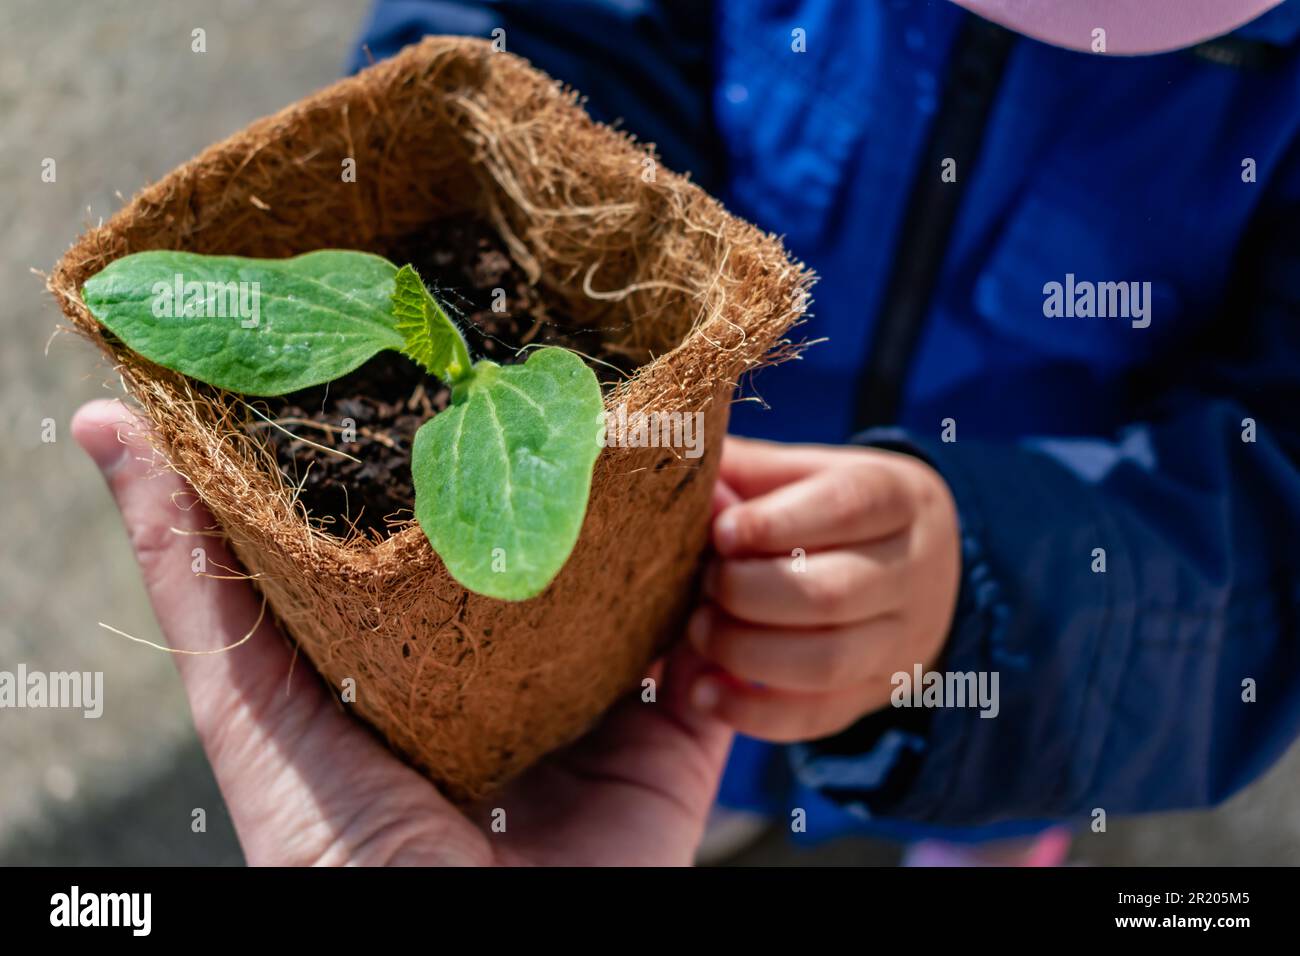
[382,404]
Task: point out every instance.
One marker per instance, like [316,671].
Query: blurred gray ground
[111,91]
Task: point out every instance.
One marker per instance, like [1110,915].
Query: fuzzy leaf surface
[432,339]
[318,315]
[503,475]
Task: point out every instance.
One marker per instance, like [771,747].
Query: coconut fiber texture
[471,690]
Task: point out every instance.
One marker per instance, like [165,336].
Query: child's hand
[837,568]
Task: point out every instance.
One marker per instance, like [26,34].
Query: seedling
[501,476]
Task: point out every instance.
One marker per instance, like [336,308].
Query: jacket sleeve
[645,65]
[1172,678]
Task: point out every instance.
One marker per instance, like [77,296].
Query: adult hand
[307,784]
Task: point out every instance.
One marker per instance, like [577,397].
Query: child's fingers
[834,506]
[815,590]
[801,661]
[783,717]
[754,467]
[724,496]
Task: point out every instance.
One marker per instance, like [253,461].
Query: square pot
[470,689]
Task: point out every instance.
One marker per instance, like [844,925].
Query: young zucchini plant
[501,476]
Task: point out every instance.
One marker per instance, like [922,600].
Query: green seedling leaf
[432,339]
[502,475]
[257,326]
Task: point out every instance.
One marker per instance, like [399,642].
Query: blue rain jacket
[1120,690]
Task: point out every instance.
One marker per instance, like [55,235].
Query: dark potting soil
[386,400]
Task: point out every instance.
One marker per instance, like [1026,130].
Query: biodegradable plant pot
[470,689]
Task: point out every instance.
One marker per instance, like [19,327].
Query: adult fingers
[294,770]
[173,536]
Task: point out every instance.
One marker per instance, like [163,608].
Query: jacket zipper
[976,65]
